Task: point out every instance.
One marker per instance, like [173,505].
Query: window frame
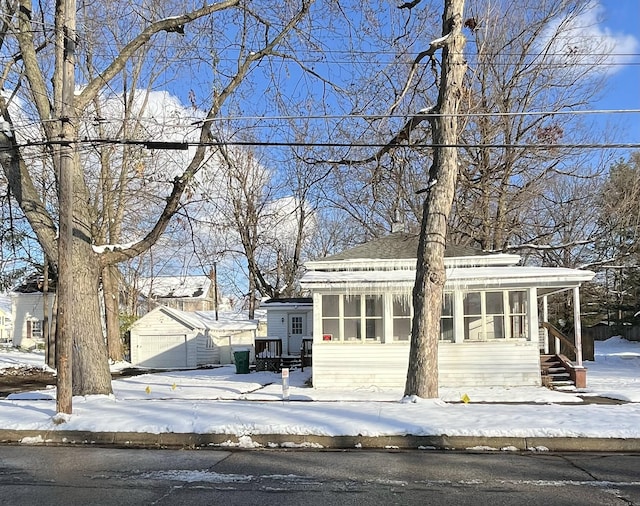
[487,319]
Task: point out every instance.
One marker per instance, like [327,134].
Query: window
[331,318]
[296,325]
[402,315]
[472,309]
[352,317]
[517,314]
[494,315]
[34,329]
[494,323]
[446,319]
[373,317]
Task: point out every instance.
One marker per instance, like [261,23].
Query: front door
[297,330]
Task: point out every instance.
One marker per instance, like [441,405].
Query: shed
[168,338]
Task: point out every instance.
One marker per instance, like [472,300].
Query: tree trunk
[422,374]
[111,297]
[91,373]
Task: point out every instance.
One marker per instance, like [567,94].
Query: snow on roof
[231,320]
[460,276]
[206,320]
[288,302]
[164,287]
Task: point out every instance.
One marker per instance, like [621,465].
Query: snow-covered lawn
[219,401]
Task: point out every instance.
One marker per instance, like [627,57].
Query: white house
[6,320]
[168,338]
[290,320]
[362,314]
[186,293]
[31,311]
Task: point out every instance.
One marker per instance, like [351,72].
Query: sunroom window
[446,319]
[494,315]
[331,318]
[401,317]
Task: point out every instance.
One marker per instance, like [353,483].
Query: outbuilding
[168,338]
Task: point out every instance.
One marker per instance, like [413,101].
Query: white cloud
[581,38]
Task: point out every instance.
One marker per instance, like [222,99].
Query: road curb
[258,441]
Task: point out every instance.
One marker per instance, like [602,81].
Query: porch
[558,359]
[269,356]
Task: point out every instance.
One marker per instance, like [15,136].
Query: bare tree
[521,73]
[422,374]
[31,71]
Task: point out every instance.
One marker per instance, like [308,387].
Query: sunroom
[362,313]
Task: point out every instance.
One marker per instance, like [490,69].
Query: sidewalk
[316,442]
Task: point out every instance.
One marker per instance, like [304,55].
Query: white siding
[228,342]
[489,363]
[208,352]
[24,306]
[342,365]
[5,326]
[349,366]
[147,332]
[277,323]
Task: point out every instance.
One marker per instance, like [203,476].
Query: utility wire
[173,145]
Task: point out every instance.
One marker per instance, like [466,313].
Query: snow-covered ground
[220,401]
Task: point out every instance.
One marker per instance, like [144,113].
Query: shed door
[297,330]
[162,351]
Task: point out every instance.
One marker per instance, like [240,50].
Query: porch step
[291,362]
[554,375]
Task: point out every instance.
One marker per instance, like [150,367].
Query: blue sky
[622,17]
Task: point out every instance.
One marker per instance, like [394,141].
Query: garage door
[162,351]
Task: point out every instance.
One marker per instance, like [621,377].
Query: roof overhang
[460,278]
[382,264]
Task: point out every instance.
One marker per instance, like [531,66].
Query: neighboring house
[362,314]
[6,320]
[28,312]
[186,293]
[290,320]
[168,338]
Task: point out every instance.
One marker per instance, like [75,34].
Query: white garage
[162,351]
[167,338]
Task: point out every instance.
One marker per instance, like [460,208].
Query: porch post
[533,324]
[577,326]
[545,318]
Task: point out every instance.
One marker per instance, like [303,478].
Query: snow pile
[218,401]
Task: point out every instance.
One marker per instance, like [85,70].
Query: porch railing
[560,339]
[267,347]
[306,357]
[577,372]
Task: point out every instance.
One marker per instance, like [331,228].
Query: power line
[173,145]
[195,121]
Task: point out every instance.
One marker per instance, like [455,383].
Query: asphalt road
[92,475]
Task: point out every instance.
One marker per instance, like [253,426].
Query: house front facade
[290,320]
[490,332]
[32,313]
[185,293]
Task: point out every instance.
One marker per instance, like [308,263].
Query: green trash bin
[241,359]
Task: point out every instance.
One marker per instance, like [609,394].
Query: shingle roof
[398,245]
